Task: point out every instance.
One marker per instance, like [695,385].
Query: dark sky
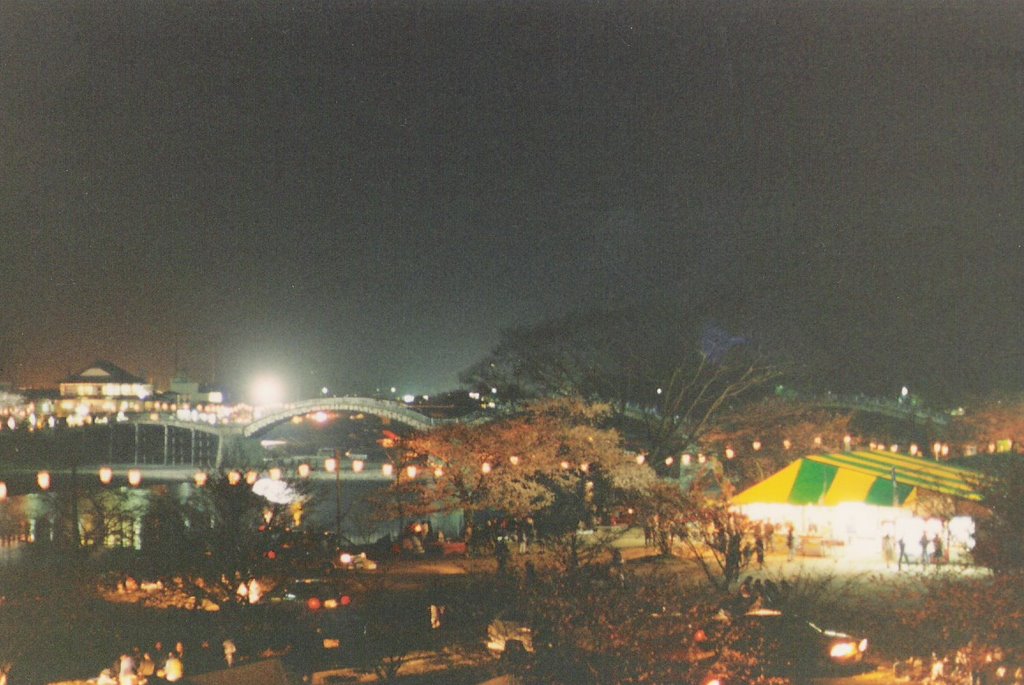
[363,194]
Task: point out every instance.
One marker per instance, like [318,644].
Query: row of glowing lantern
[939,449]
[332,465]
[234,477]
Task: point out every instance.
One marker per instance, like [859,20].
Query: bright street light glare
[267,390]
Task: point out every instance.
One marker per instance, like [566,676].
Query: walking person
[501,554]
[888,550]
[902,545]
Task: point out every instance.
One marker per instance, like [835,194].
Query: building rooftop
[102,371]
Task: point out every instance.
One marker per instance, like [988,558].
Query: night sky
[362,195]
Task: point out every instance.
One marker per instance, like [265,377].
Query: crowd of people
[160,664]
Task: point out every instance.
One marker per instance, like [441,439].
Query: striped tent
[861,476]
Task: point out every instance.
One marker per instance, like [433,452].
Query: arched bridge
[388,409]
[167,439]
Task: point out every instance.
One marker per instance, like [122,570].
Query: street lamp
[267,391]
[106,475]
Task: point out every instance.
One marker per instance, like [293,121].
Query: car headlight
[842,650]
[714,681]
[863,645]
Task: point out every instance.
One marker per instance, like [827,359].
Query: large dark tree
[669,375]
[999,534]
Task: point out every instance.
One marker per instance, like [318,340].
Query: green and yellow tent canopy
[861,476]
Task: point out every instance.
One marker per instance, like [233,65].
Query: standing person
[937,554]
[229,652]
[255,591]
[769,536]
[126,670]
[501,554]
[924,549]
[902,544]
[759,550]
[791,543]
[174,669]
[146,666]
[888,550]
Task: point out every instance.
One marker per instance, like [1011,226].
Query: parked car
[353,562]
[785,644]
[313,593]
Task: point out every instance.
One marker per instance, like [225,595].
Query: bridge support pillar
[167,435]
[137,443]
[193,447]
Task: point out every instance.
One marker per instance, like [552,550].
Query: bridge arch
[388,409]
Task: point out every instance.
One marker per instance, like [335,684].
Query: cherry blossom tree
[553,461]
